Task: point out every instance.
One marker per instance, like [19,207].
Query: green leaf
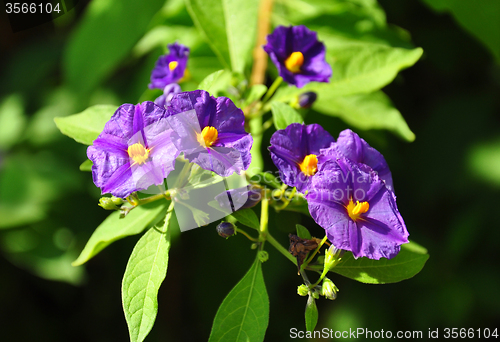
[86,165]
[302,232]
[366,111]
[86,126]
[207,83]
[229,26]
[284,115]
[103,30]
[409,261]
[479,17]
[357,68]
[254,94]
[267,179]
[247,217]
[311,315]
[113,228]
[244,314]
[146,270]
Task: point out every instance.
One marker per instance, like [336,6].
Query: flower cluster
[140,143]
[348,187]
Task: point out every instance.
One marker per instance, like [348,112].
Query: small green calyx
[328,289]
[110,203]
[303,290]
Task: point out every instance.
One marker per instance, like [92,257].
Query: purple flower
[168,92]
[298,55]
[134,151]
[295,150]
[210,131]
[351,146]
[170,68]
[356,209]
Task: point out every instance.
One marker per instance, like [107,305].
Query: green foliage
[367,111]
[409,261]
[86,126]
[29,184]
[146,270]
[103,39]
[302,232]
[12,121]
[86,165]
[244,314]
[479,17]
[229,27]
[247,217]
[113,228]
[284,115]
[311,315]
[209,81]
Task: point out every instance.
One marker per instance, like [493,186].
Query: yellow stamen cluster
[208,136]
[138,153]
[294,62]
[355,210]
[172,65]
[309,165]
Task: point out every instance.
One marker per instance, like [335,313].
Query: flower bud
[110,203]
[303,290]
[225,229]
[307,99]
[328,289]
[263,256]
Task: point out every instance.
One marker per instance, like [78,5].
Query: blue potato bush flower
[298,55]
[295,152]
[170,68]
[210,131]
[356,209]
[134,151]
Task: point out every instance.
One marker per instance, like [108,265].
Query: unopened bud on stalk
[328,289]
[225,229]
[303,290]
[110,203]
[307,99]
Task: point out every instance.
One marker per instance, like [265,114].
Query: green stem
[154,198]
[246,234]
[281,249]
[264,218]
[272,89]
[170,210]
[315,252]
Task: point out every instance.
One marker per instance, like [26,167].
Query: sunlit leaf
[284,115]
[244,314]
[86,126]
[146,270]
[229,27]
[113,228]
[409,261]
[366,111]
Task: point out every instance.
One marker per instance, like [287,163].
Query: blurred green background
[447,180]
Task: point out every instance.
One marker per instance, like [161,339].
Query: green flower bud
[328,289]
[303,290]
[263,256]
[110,203]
